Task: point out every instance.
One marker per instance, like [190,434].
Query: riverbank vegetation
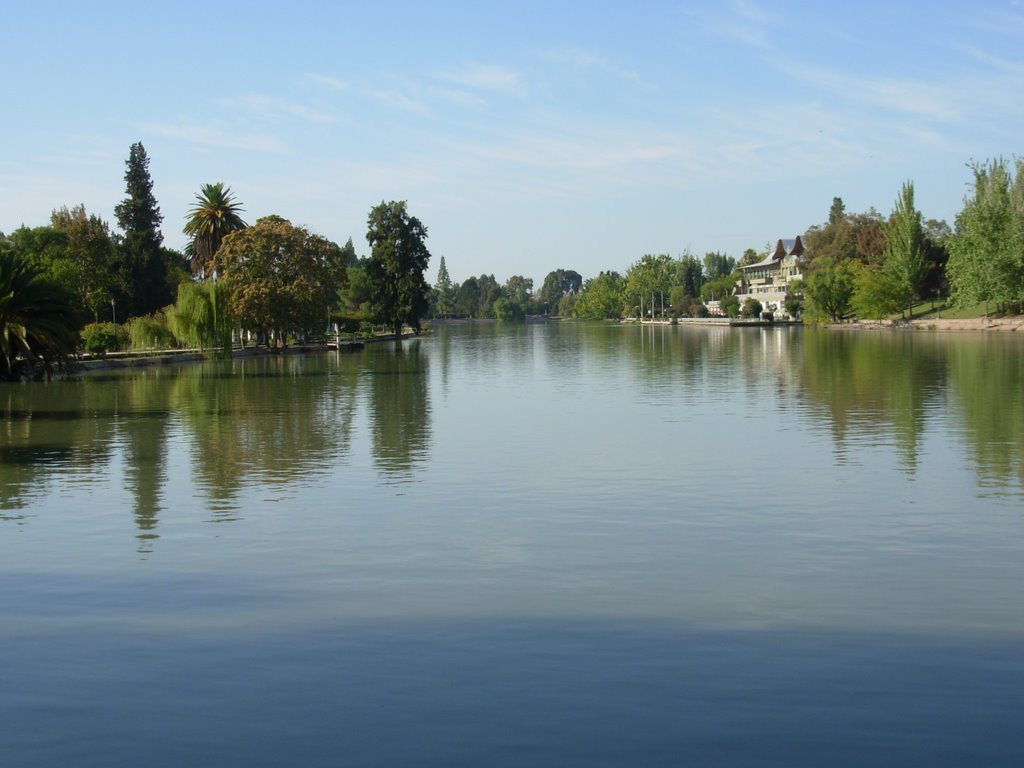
[272,282]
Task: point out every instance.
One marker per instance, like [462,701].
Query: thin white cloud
[398,100]
[486,77]
[272,108]
[219,136]
[743,22]
[582,59]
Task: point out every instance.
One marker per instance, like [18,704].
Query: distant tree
[520,290]
[509,310]
[444,291]
[903,261]
[89,256]
[718,265]
[354,296]
[202,316]
[398,261]
[38,327]
[875,293]
[280,277]
[837,212]
[601,297]
[467,299]
[141,260]
[557,284]
[213,216]
[348,254]
[750,256]
[751,308]
[986,255]
[828,290]
[689,275]
[490,292]
[649,282]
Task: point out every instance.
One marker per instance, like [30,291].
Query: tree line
[65,285]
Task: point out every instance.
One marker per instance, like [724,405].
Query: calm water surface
[561,544]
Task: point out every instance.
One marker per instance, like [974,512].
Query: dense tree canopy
[398,261]
[557,284]
[38,327]
[601,297]
[903,261]
[986,255]
[280,277]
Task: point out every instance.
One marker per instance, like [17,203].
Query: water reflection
[399,408]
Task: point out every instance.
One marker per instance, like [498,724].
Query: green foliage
[828,290]
[793,305]
[903,261]
[751,308]
[397,264]
[557,284]
[354,297]
[567,305]
[467,299]
[875,293]
[100,338]
[140,262]
[602,297]
[213,216]
[520,290]
[279,277]
[649,280]
[445,292]
[509,310]
[717,290]
[490,292]
[150,332]
[718,265]
[986,255]
[730,305]
[37,319]
[847,237]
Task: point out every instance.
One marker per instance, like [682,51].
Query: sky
[526,136]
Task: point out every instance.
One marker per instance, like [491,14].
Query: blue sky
[526,136]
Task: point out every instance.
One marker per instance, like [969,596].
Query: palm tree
[213,216]
[38,326]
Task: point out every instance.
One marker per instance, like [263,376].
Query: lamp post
[113,312]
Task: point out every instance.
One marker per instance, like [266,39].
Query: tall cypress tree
[143,270]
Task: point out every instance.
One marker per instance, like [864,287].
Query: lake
[559,544]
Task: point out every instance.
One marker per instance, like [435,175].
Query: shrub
[100,338]
[751,307]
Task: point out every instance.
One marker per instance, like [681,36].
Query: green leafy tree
[718,265]
[201,317]
[875,293]
[212,217]
[903,261]
[280,277]
[490,292]
[986,255]
[557,284]
[89,255]
[444,291]
[142,263]
[467,300]
[689,275]
[397,264]
[38,328]
[602,297]
[509,310]
[828,290]
[520,290]
[649,281]
[751,308]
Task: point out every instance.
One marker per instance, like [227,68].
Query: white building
[768,280]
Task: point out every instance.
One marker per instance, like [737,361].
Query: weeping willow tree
[200,318]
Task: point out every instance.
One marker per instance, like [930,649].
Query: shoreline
[976,324]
